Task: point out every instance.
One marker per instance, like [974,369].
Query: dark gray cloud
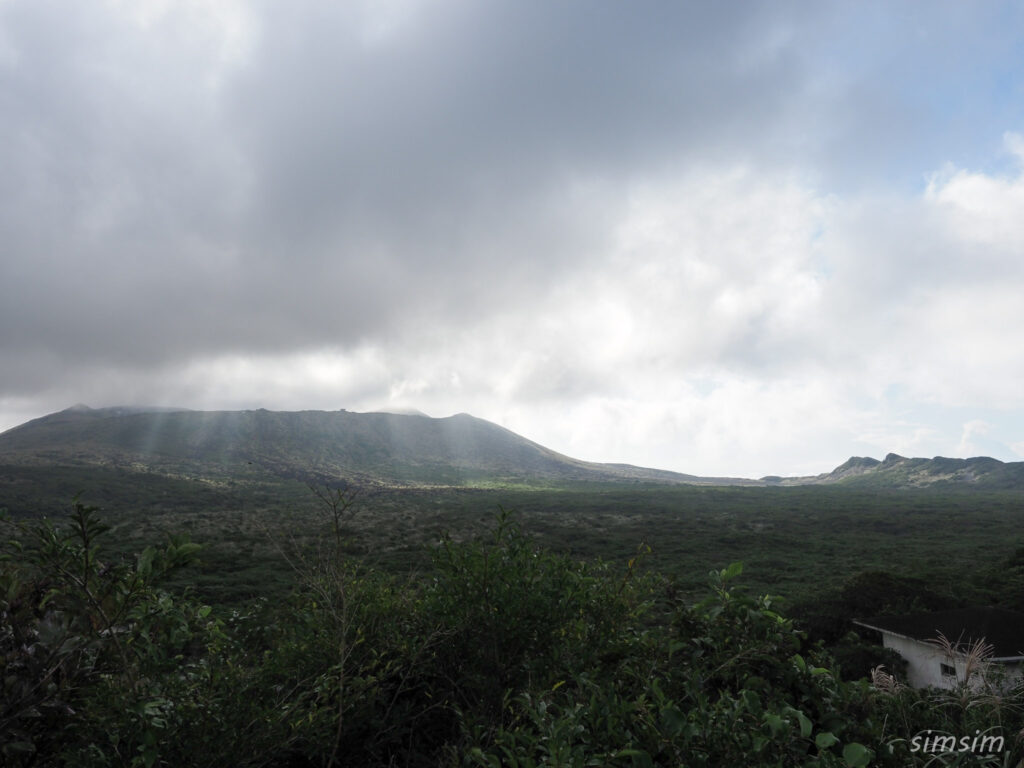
[330,187]
[575,206]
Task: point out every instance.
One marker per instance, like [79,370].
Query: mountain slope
[389,449]
[896,471]
[380,448]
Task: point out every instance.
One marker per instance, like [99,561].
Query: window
[947,670]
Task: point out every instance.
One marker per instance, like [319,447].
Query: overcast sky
[718,238]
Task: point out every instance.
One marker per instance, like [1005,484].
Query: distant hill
[894,472]
[167,458]
[406,449]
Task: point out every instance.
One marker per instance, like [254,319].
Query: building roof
[1001,628]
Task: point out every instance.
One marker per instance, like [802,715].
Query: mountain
[373,448]
[130,456]
[896,471]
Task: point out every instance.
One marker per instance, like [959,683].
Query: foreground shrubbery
[502,654]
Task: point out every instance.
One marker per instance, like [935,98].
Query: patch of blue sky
[960,432]
[918,90]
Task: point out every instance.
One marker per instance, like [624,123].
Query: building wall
[924,663]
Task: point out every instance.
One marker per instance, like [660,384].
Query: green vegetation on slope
[939,473]
[252,446]
[240,448]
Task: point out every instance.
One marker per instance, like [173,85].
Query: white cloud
[694,237]
[972,431]
[982,209]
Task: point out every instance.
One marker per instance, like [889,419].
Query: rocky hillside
[982,473]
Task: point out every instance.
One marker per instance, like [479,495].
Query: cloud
[984,210]
[923,291]
[188,182]
[707,238]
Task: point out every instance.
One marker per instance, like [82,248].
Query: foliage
[90,647]
[800,543]
[829,617]
[502,652]
[724,685]
[976,722]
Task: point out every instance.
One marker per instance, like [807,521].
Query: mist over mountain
[374,448]
[407,449]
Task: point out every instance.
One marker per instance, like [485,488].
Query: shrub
[89,645]
[503,654]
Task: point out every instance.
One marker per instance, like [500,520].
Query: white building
[930,663]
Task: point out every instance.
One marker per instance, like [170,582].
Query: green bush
[503,653]
[91,647]
[724,685]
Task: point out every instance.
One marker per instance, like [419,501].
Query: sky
[731,239]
